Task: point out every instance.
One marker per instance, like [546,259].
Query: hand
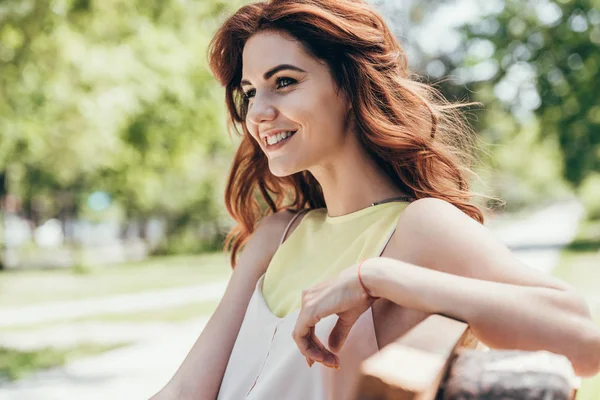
[342,295]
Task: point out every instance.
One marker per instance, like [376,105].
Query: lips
[267,137]
[279,144]
[273,132]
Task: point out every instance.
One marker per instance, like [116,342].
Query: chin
[282,171]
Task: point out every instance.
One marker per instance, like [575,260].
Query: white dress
[266,364]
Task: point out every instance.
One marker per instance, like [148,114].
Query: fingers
[307,319]
[339,333]
[313,350]
[309,362]
[313,308]
[323,354]
[311,347]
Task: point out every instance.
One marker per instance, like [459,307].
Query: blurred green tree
[114,95]
[539,58]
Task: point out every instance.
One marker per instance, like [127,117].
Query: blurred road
[537,239]
[140,370]
[116,304]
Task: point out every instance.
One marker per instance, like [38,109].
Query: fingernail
[331,359]
[307,361]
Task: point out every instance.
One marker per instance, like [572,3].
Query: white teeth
[271,140]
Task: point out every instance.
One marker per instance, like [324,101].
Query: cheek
[328,114]
[316,107]
[252,129]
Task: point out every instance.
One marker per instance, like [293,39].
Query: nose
[261,109]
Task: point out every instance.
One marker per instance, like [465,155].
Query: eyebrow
[273,71]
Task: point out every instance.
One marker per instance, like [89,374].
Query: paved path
[118,304]
[538,239]
[133,372]
[138,371]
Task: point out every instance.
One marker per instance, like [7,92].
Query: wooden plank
[509,374]
[412,367]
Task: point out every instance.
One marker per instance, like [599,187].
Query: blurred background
[114,155]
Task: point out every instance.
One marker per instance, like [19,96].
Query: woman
[370,225]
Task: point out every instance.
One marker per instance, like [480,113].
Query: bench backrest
[418,365]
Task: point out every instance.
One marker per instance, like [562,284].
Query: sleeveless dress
[265,362]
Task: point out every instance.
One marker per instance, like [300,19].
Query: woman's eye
[281,81]
[249,94]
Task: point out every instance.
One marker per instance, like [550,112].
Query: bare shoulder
[429,229]
[431,213]
[275,223]
[434,233]
[270,229]
[264,241]
[281,220]
[435,216]
[430,223]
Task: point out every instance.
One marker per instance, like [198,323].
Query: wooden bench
[440,359]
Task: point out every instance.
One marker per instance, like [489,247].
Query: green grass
[178,313]
[580,266]
[171,314]
[18,288]
[15,364]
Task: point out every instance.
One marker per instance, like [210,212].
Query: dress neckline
[263,302]
[364,211]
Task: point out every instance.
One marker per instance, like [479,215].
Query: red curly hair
[420,140]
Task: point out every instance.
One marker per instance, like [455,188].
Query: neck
[352,181]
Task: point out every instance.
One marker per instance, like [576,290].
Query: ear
[350,122]
[348,104]
[349,109]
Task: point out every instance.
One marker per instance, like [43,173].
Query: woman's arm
[441,261]
[200,374]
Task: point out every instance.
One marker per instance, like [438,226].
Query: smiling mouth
[279,142]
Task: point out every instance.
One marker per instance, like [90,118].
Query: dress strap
[386,242]
[287,228]
[408,199]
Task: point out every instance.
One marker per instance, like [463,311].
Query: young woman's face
[290,91]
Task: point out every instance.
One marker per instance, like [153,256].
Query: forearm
[200,374]
[500,315]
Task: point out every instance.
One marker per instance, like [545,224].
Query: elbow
[571,300]
[586,363]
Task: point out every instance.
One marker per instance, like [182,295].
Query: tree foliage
[540,58]
[113,95]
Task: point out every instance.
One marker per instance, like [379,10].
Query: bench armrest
[413,366]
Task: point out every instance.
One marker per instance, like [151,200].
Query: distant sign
[99,201]
[49,235]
